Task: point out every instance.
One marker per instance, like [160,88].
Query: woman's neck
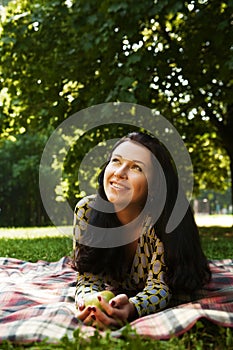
[128,214]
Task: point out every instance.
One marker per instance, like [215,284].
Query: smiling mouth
[118,186]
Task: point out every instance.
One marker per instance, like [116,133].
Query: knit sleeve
[86,282]
[81,216]
[155,294]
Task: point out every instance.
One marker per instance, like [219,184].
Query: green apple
[92,299]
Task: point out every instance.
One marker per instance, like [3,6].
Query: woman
[139,186]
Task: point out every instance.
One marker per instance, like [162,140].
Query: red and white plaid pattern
[37,303]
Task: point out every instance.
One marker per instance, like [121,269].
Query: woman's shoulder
[84,203]
[150,237]
[82,211]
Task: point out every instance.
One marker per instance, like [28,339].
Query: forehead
[133,151]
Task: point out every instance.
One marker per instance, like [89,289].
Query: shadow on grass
[217,242]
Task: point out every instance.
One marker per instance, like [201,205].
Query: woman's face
[127,175]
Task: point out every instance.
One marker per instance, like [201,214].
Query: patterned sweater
[144,282]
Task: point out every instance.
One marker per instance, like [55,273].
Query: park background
[59,57]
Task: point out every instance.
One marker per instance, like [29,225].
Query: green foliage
[98,342]
[20,201]
[59,57]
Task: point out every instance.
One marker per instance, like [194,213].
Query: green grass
[217,242]
[204,335]
[44,248]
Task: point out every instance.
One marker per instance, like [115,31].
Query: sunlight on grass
[42,248]
[203,220]
[214,220]
[35,232]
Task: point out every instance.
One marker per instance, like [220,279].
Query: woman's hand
[115,313]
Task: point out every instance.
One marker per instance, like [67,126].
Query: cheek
[141,185]
[106,176]
[145,186]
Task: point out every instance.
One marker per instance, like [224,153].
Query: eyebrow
[133,160]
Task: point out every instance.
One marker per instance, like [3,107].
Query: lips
[118,185]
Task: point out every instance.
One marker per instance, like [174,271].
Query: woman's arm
[87,283]
[112,314]
[153,298]
[155,294]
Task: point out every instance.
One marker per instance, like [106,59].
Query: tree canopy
[59,57]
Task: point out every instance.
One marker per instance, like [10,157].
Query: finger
[115,302]
[90,319]
[97,323]
[94,321]
[120,308]
[80,305]
[119,300]
[105,305]
[82,315]
[107,319]
[114,313]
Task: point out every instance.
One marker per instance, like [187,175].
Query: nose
[121,171]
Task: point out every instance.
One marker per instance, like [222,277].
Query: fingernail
[93,317]
[99,298]
[81,307]
[89,308]
[112,303]
[93,309]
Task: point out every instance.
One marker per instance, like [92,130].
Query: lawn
[34,244]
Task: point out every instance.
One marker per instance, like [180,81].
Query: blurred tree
[20,200]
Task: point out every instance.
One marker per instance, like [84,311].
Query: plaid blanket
[37,303]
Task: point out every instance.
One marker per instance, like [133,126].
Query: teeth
[117,186]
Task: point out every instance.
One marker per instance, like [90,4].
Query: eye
[115,160]
[137,168]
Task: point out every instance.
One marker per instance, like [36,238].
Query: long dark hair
[187,266]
